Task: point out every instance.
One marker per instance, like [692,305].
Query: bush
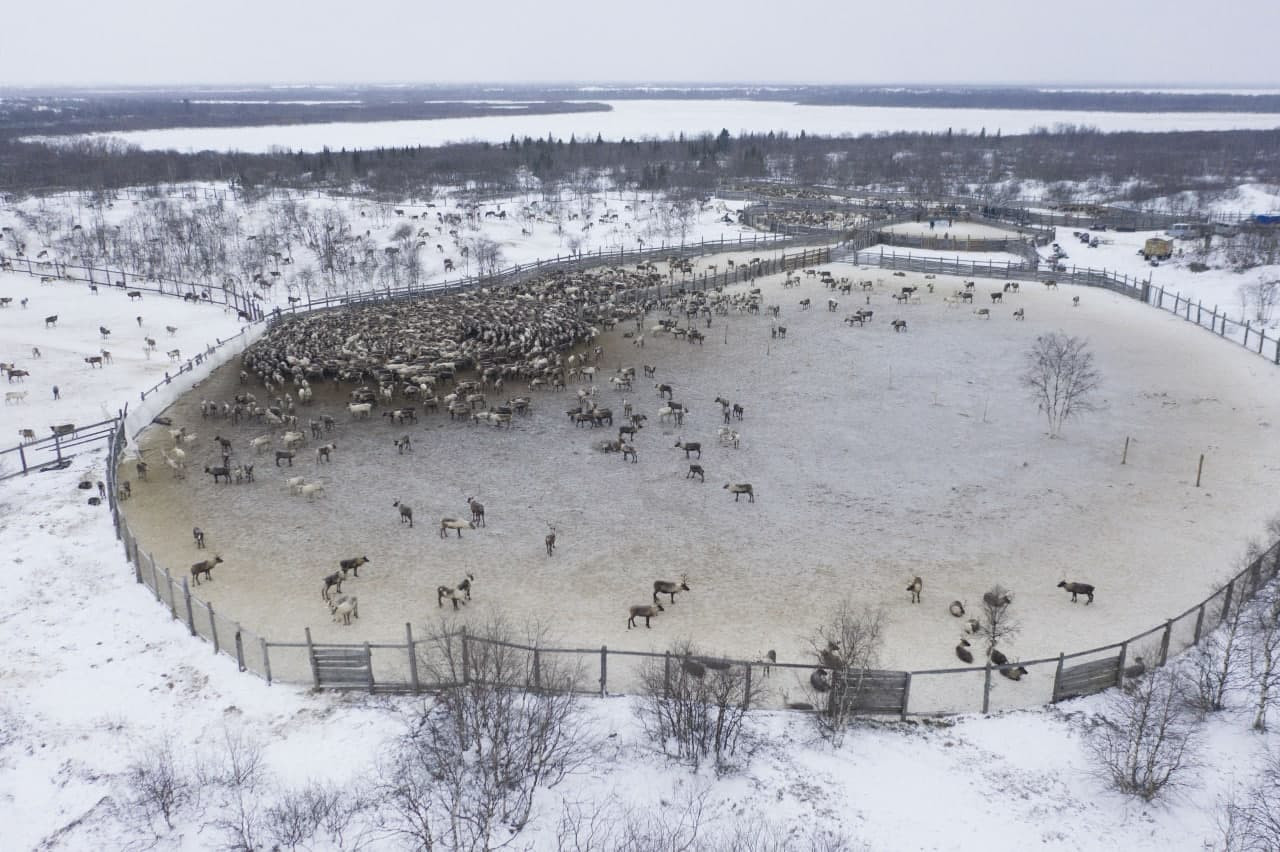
[464,772]
[1197,266]
[1146,738]
[694,705]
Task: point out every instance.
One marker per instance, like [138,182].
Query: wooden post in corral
[604,669]
[1164,641]
[311,658]
[239,648]
[1199,470]
[1057,675]
[266,660]
[186,598]
[986,688]
[213,627]
[1199,623]
[413,657]
[1120,661]
[746,691]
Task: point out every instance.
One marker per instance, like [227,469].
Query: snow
[94,670]
[640,119]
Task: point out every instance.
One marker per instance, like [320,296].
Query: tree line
[1065,160]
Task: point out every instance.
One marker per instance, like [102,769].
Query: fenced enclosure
[404,667]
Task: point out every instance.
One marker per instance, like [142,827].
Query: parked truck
[1157,248]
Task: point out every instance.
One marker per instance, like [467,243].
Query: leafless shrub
[1061,377]
[1250,822]
[847,645]
[235,777]
[296,817]
[1213,668]
[464,771]
[681,825]
[693,705]
[158,786]
[997,622]
[1146,739]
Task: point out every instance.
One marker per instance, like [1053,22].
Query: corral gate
[1087,678]
[870,691]
[340,666]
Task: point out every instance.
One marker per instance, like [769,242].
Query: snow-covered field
[95,672]
[644,119]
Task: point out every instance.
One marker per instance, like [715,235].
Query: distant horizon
[637,85]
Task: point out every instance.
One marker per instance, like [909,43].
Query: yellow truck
[1157,248]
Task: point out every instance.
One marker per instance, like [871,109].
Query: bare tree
[159,787]
[997,622]
[1146,737]
[464,772]
[1264,668]
[694,705]
[1251,820]
[847,645]
[1061,377]
[1259,299]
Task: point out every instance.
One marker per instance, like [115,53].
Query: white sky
[140,42]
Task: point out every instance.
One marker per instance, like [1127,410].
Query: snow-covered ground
[290,245]
[1219,286]
[95,672]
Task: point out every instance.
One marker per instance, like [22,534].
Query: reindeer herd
[399,389]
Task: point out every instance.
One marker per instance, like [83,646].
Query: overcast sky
[138,42]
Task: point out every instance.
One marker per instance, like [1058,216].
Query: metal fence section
[1210,318]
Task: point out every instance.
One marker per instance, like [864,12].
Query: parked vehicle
[1157,249]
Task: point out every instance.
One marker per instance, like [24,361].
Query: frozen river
[665,118]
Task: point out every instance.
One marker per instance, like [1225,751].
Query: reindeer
[447,524]
[551,541]
[738,489]
[646,612]
[477,511]
[406,513]
[669,588]
[205,568]
[1078,589]
[915,587]
[691,447]
[696,470]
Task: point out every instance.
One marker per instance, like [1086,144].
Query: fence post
[155,579]
[1255,576]
[311,657]
[266,660]
[413,657]
[1226,600]
[239,648]
[604,670]
[1164,641]
[1199,623]
[1120,661]
[213,627]
[173,603]
[986,688]
[186,597]
[666,674]
[746,693]
[466,658]
[1057,677]
[368,659]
